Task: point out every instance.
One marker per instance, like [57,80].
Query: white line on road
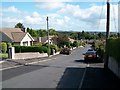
[80,86]
[27,64]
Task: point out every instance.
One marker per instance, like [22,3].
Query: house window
[25,43]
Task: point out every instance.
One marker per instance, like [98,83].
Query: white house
[16,36]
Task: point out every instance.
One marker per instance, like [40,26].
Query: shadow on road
[11,73]
[89,62]
[93,78]
[81,61]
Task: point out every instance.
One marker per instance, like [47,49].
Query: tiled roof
[14,34]
[44,39]
[18,36]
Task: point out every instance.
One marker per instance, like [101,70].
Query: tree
[61,40]
[19,25]
[75,44]
[41,33]
[52,31]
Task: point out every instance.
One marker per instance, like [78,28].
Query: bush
[99,46]
[52,47]
[9,45]
[75,44]
[4,47]
[114,48]
[40,49]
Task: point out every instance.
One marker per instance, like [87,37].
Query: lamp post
[48,37]
[107,34]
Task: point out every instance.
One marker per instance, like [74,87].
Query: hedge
[40,49]
[114,48]
[52,46]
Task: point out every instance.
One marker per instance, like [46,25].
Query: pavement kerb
[22,64]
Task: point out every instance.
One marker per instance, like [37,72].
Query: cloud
[10,21]
[91,16]
[11,9]
[50,5]
[33,19]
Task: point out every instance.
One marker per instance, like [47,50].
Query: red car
[90,56]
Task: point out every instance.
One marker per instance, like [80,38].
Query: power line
[101,14]
[114,14]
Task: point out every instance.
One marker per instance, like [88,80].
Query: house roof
[18,36]
[44,39]
[15,34]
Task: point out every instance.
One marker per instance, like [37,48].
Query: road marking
[27,64]
[80,86]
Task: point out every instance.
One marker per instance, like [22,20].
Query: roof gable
[18,36]
[8,31]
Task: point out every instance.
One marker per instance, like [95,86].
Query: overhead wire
[114,19]
[100,17]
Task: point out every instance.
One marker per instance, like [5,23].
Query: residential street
[61,71]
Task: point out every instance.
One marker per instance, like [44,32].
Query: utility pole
[107,34]
[48,37]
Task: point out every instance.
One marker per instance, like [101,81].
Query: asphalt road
[61,72]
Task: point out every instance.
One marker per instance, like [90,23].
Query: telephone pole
[107,34]
[48,37]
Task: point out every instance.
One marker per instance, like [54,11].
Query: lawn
[3,55]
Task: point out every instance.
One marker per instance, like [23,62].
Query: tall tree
[19,25]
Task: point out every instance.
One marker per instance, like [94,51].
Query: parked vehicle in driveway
[90,56]
[65,51]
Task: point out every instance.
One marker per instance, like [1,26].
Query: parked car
[90,56]
[65,51]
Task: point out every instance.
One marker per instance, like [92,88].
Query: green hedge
[114,48]
[41,49]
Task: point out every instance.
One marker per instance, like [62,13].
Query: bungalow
[16,36]
[43,39]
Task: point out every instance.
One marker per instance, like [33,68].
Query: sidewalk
[11,63]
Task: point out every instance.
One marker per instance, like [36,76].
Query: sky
[64,15]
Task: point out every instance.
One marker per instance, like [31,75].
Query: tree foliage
[61,40]
[19,25]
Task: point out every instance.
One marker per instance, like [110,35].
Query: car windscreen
[88,53]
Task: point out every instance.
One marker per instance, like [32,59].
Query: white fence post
[11,53]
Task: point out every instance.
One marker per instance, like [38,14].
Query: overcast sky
[65,16]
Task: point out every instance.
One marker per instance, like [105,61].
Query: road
[61,71]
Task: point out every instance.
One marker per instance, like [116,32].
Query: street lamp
[48,37]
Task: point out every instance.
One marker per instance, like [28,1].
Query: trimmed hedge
[114,48]
[40,49]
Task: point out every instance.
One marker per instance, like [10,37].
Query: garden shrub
[3,47]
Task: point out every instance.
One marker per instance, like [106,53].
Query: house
[43,39]
[16,36]
[71,40]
